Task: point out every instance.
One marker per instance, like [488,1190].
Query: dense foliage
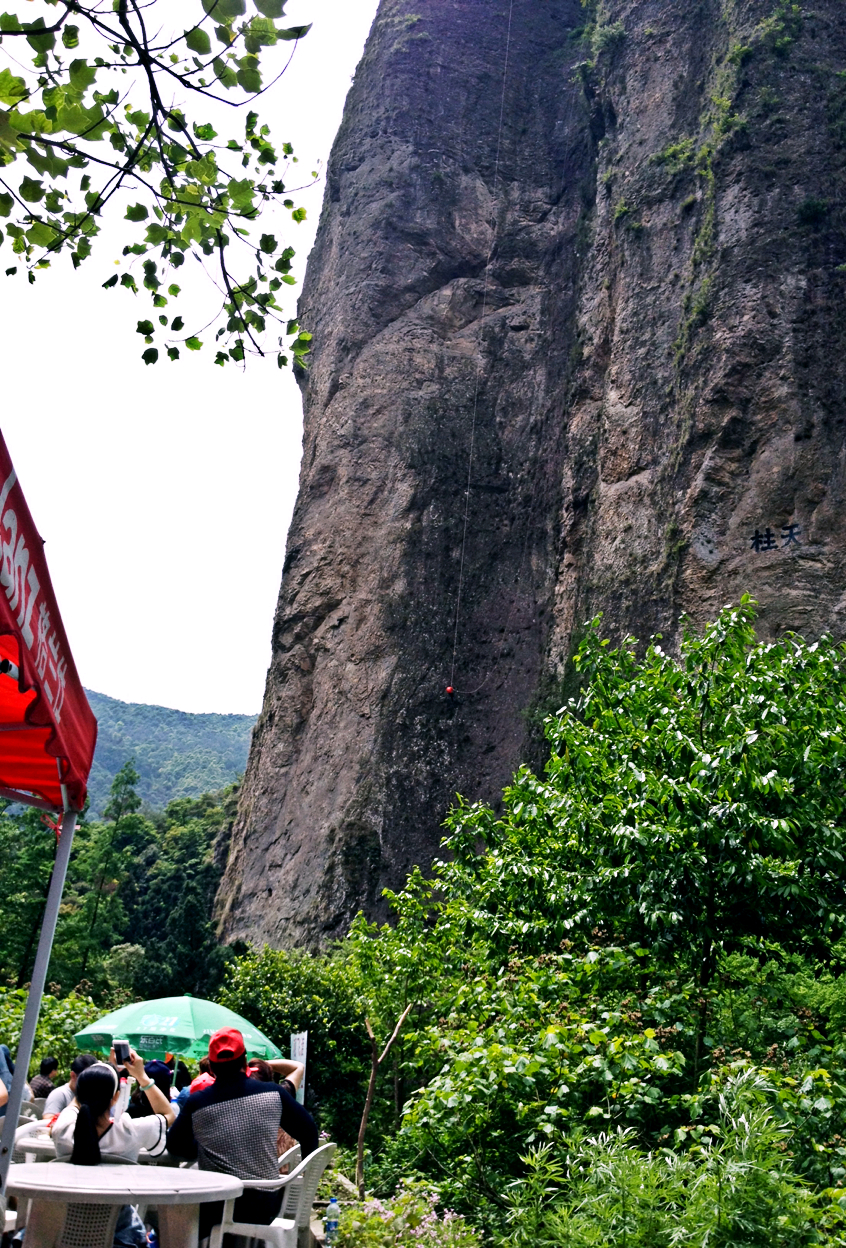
[59,1019]
[627,1001]
[628,1010]
[136,919]
[102,99]
[175,753]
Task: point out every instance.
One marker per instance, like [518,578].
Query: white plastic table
[177,1194]
[37,1147]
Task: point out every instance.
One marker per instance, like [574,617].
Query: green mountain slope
[177,754]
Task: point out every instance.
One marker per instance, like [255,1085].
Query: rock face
[577,303]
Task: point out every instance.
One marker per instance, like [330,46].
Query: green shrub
[289,992]
[59,1019]
[734,1189]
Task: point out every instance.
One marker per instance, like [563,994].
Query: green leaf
[145,327]
[221,358]
[268,243]
[261,33]
[198,41]
[294,32]
[249,77]
[270,8]
[128,281]
[111,281]
[6,204]
[70,36]
[206,131]
[225,76]
[150,355]
[177,324]
[40,234]
[39,42]
[173,353]
[224,10]
[241,193]
[193,344]
[137,212]
[173,290]
[31,190]
[82,76]
[12,89]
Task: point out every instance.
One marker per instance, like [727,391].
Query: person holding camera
[85,1133]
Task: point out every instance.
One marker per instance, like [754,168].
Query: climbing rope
[450,686]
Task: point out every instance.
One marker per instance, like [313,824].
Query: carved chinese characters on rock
[768,539]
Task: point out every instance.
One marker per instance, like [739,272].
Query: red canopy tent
[47,731]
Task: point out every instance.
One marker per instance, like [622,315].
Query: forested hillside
[137,908]
[176,754]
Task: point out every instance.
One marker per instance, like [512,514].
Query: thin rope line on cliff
[479,361]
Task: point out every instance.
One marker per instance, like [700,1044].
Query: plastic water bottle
[333,1217]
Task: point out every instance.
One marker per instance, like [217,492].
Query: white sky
[164,493]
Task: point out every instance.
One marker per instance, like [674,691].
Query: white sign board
[299,1053]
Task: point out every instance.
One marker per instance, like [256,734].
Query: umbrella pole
[36,991]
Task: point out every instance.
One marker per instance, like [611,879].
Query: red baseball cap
[226,1045]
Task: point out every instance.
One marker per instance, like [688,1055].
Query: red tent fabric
[47,729]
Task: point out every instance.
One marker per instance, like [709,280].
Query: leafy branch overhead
[98,99]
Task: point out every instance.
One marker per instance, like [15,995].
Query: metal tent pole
[36,991]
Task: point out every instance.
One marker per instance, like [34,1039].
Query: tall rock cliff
[577,304]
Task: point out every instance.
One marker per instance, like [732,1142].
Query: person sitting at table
[62,1096]
[259,1069]
[85,1133]
[79,1129]
[139,1105]
[203,1080]
[42,1084]
[232,1127]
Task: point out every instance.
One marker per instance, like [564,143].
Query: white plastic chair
[32,1126]
[300,1187]
[291,1158]
[72,1226]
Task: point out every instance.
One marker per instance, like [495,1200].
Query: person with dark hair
[159,1072]
[203,1080]
[279,1068]
[62,1096]
[85,1133]
[42,1084]
[232,1127]
[259,1069]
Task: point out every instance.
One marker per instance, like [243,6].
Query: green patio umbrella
[180,1025]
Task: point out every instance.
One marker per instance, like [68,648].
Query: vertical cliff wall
[593,255]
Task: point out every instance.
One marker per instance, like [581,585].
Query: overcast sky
[164,493]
